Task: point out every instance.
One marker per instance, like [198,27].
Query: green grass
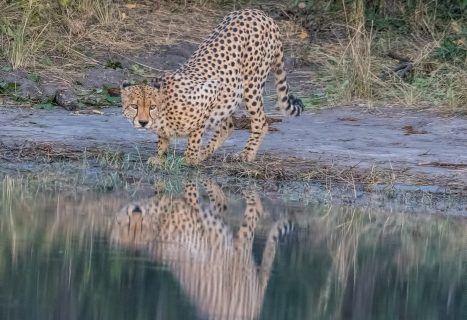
[113,158]
[172,163]
[99,97]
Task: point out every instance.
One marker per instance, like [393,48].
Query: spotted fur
[215,268]
[229,67]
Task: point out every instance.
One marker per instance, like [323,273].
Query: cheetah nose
[143,123]
[136,210]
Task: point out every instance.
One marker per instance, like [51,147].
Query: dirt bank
[411,147]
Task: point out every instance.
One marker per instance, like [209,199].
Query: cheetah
[215,268]
[229,67]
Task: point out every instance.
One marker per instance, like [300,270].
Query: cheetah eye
[152,107]
[133,106]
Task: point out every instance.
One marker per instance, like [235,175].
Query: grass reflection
[355,264]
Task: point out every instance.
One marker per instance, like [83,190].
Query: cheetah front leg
[191,195]
[159,159]
[217,198]
[192,152]
[213,224]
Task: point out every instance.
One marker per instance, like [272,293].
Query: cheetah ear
[156,83]
[125,84]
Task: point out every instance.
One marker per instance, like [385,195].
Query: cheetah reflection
[215,268]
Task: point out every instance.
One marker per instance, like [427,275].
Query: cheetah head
[128,226]
[141,103]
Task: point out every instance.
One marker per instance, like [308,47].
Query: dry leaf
[303,35]
[456,27]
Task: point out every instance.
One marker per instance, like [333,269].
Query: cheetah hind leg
[259,128]
[253,96]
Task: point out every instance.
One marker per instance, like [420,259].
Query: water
[104,256]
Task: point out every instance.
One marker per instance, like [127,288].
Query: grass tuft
[104,11]
[21,38]
[113,159]
[356,62]
[173,164]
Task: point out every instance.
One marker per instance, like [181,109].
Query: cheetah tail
[281,230]
[286,102]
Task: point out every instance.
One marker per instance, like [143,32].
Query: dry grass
[349,75]
[162,26]
[45,152]
[352,64]
[93,31]
[356,61]
[20,37]
[269,167]
[58,40]
[266,167]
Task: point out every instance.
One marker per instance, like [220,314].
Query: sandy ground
[416,142]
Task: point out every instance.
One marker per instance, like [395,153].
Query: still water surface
[201,253]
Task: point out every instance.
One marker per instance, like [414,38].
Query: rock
[25,88]
[67,100]
[99,77]
[114,92]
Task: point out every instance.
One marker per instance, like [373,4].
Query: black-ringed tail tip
[281,230]
[295,106]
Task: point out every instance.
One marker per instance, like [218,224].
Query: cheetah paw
[156,162]
[191,161]
[243,157]
[204,153]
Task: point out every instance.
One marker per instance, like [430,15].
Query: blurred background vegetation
[397,52]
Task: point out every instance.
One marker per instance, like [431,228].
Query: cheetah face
[141,104]
[129,226]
